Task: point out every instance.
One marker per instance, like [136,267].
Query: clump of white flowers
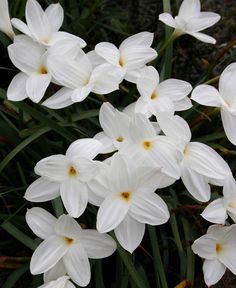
[146,155]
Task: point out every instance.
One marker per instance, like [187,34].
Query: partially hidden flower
[5,22]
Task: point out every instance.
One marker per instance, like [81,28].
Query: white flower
[43,26]
[218,210]
[65,241]
[167,96]
[129,201]
[132,55]
[200,164]
[191,20]
[5,22]
[79,79]
[224,98]
[218,248]
[35,77]
[62,282]
[66,176]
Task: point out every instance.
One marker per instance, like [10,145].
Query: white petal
[59,283]
[77,265]
[213,271]
[203,37]
[47,254]
[183,104]
[54,167]
[189,8]
[61,99]
[81,93]
[202,21]
[130,233]
[137,56]
[141,128]
[142,38]
[68,37]
[74,197]
[17,88]
[95,59]
[148,81]
[67,226]
[215,212]
[174,89]
[174,126]
[206,95]
[196,184]
[149,209]
[111,213]
[19,54]
[87,148]
[206,161]
[163,104]
[41,222]
[167,19]
[55,15]
[109,52]
[229,121]
[21,26]
[42,190]
[227,84]
[107,143]
[37,21]
[97,245]
[205,246]
[133,75]
[55,272]
[5,22]
[36,86]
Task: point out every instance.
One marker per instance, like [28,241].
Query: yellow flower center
[147,145]
[125,196]
[120,139]
[219,248]
[121,62]
[72,171]
[154,95]
[43,70]
[69,241]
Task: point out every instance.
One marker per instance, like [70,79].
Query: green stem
[166,44]
[158,265]
[58,206]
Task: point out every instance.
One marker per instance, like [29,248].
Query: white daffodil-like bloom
[224,98]
[79,79]
[35,77]
[218,248]
[65,241]
[191,20]
[42,26]
[132,55]
[62,282]
[200,164]
[66,176]
[167,96]
[5,22]
[115,125]
[218,210]
[127,200]
[146,146]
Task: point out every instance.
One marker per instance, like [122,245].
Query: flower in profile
[42,26]
[225,99]
[130,201]
[132,55]
[66,176]
[218,210]
[5,22]
[65,241]
[191,20]
[218,248]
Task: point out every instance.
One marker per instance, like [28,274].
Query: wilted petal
[42,190]
[41,222]
[130,233]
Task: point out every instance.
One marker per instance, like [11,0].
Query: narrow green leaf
[14,276]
